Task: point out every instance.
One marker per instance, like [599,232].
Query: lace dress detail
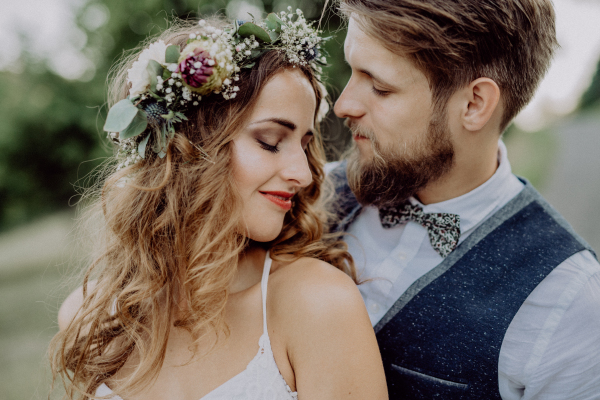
[261,380]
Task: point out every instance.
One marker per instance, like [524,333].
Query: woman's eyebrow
[283,122]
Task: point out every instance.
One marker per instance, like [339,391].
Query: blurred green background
[51,116]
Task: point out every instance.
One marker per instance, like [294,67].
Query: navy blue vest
[442,337]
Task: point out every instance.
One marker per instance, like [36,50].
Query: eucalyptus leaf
[172,54]
[154,69]
[137,126]
[120,116]
[249,65]
[142,146]
[274,22]
[273,35]
[249,29]
[166,74]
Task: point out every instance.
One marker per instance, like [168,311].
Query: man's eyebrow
[375,78]
[283,122]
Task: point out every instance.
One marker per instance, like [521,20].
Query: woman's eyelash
[268,147]
[378,92]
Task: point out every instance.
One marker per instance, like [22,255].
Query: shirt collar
[473,206]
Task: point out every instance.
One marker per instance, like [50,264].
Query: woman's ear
[481,100]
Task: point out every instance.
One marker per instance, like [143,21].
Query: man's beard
[392,175]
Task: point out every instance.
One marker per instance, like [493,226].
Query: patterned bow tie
[443,229]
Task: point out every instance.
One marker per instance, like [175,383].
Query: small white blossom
[247,52]
[195,103]
[211,62]
[197,64]
[168,90]
[171,81]
[192,36]
[202,22]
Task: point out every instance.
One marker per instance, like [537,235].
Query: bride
[213,279]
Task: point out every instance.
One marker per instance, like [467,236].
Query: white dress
[261,380]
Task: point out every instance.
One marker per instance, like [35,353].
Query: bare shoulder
[69,308]
[310,295]
[314,286]
[318,313]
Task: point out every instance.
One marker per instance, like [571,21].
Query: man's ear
[481,100]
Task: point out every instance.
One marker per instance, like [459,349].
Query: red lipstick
[282,199]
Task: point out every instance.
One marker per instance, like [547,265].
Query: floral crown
[167,82]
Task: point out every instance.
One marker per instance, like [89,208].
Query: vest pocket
[429,378]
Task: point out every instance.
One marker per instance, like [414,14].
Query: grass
[32,275]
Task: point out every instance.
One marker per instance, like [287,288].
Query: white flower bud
[197,64]
[247,52]
[233,95]
[192,36]
[192,71]
[168,90]
[195,103]
[171,81]
[178,84]
[229,67]
[211,62]
[202,22]
[226,81]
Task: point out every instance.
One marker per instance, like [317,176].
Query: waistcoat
[442,337]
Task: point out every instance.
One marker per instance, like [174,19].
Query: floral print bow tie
[443,229]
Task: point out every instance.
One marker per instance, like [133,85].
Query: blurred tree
[51,128]
[591,97]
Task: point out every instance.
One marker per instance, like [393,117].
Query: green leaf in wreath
[142,146]
[154,70]
[120,116]
[274,36]
[248,29]
[249,65]
[166,74]
[172,54]
[137,126]
[274,22]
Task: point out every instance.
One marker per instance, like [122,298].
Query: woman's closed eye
[270,148]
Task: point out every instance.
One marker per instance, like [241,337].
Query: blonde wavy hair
[171,230]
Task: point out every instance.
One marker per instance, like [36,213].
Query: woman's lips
[282,199]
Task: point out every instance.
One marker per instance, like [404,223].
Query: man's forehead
[364,53]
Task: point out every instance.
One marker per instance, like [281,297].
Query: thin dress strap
[263,289]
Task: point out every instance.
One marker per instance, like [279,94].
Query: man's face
[400,143]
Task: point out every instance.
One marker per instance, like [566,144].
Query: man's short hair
[454,42]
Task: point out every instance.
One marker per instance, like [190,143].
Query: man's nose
[349,104]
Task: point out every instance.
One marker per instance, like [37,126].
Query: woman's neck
[250,267]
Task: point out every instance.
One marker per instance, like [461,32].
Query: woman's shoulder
[69,308]
[313,291]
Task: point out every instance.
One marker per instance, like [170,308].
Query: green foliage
[591,97]
[51,134]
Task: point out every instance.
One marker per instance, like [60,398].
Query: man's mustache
[358,130]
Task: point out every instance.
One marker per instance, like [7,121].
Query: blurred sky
[47,31]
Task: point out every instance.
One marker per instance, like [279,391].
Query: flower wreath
[167,82]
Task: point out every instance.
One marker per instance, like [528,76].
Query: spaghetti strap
[263,289]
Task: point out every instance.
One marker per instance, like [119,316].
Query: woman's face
[269,162]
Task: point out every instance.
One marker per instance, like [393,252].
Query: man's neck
[468,172]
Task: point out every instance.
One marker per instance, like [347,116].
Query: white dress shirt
[551,349]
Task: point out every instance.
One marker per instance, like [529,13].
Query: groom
[477,288]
